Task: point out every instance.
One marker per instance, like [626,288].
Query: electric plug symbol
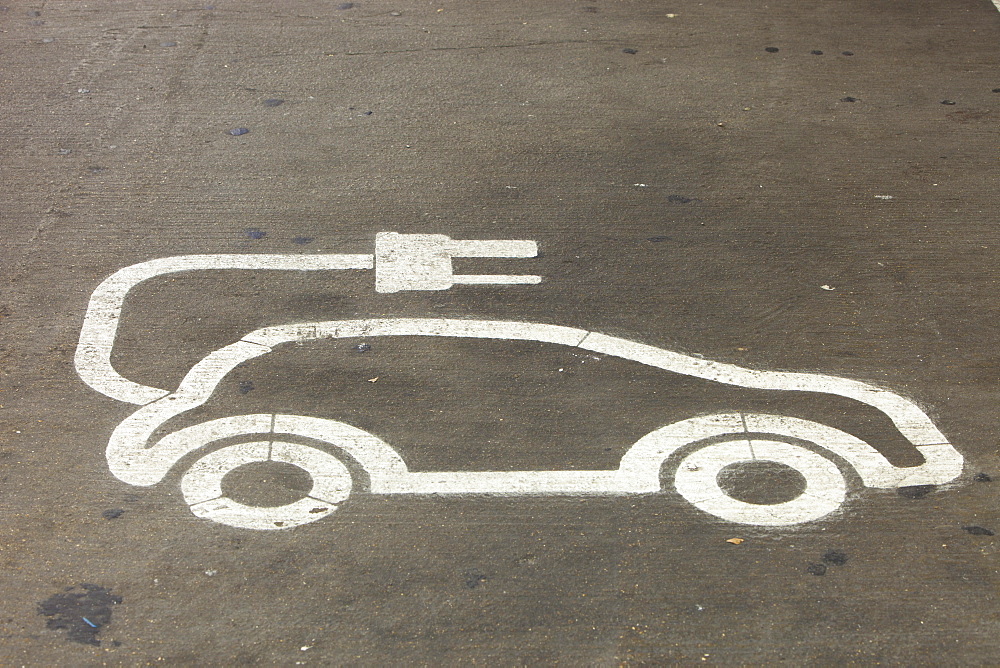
[423,261]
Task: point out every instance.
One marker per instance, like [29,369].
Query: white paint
[100,325]
[912,422]
[202,486]
[405,262]
[697,481]
[423,261]
[639,471]
[131,459]
[479,329]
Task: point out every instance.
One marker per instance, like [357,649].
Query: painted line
[912,422]
[697,481]
[423,261]
[405,262]
[202,486]
[100,325]
[479,329]
[131,460]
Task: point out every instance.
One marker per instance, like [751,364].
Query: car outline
[721,438]
[133,462]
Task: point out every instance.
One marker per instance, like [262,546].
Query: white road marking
[202,486]
[405,262]
[100,325]
[424,262]
[131,460]
[697,481]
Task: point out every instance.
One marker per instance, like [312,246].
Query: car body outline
[133,460]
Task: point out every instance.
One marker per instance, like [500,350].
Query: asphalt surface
[782,186]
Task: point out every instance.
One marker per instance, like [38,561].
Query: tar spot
[848,99]
[631,52]
[847,53]
[816,569]
[982,477]
[112,513]
[658,238]
[301,241]
[254,233]
[245,387]
[236,132]
[473,578]
[996,90]
[273,102]
[834,557]
[590,10]
[948,102]
[679,199]
[81,614]
[345,5]
[772,49]
[816,52]
[368,113]
[915,491]
[978,531]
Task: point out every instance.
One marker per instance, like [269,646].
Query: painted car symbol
[698,448]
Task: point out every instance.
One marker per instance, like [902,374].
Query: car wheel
[700,478]
[202,485]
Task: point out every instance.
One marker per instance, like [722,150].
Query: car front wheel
[725,479]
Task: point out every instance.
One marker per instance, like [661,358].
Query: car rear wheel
[700,478]
[202,485]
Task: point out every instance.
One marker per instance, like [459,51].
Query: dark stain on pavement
[473,578]
[679,199]
[982,477]
[81,614]
[978,531]
[113,513]
[816,569]
[915,491]
[835,557]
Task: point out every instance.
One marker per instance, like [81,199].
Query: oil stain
[81,614]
